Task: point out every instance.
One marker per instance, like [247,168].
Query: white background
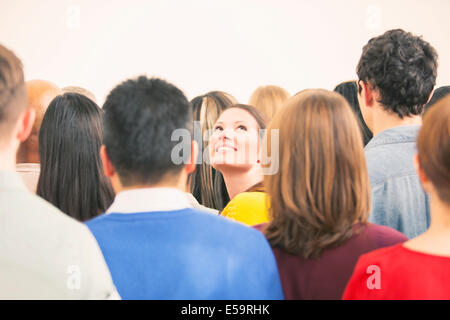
[232,45]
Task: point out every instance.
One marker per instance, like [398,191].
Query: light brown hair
[269,99]
[13,96]
[433,144]
[321,189]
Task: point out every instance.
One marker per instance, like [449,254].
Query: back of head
[12,93]
[349,91]
[403,67]
[206,184]
[269,99]
[438,94]
[322,187]
[80,90]
[40,94]
[139,118]
[433,144]
[69,143]
[208,107]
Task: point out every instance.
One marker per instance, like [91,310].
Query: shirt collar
[149,199]
[395,135]
[28,167]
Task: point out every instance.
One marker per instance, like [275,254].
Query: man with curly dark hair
[397,72]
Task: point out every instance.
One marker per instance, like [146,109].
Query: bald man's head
[40,94]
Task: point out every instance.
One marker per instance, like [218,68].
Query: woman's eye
[218,128]
[241,128]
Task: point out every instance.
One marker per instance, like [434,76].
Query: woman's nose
[226,134]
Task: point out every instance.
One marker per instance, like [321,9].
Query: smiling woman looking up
[234,151]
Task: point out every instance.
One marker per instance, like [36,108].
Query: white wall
[230,45]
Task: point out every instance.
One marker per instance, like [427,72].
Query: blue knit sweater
[186,254]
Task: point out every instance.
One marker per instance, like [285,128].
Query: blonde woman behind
[269,99]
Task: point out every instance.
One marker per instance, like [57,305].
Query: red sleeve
[365,283]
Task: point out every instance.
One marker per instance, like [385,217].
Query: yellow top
[248,207]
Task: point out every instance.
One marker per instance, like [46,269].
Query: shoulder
[248,207]
[69,243]
[54,226]
[234,235]
[385,260]
[381,255]
[54,223]
[246,198]
[199,222]
[372,273]
[385,236]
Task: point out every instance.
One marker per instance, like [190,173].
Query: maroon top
[326,277]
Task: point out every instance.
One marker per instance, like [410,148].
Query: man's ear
[367,94]
[108,167]
[191,164]
[422,176]
[25,124]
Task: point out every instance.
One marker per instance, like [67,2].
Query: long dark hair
[71,176]
[349,91]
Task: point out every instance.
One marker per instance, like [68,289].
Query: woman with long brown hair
[320,197]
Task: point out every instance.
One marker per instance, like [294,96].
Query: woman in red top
[420,268]
[320,197]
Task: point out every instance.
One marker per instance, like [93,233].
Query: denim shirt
[398,199]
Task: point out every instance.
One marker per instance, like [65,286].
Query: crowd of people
[104,203]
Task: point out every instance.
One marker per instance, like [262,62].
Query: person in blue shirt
[397,72]
[155,243]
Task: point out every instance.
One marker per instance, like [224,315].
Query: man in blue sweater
[155,243]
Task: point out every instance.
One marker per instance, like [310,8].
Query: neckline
[416,252]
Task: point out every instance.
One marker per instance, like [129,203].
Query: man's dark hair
[403,67]
[12,87]
[71,176]
[139,118]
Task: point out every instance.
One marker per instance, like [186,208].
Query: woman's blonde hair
[206,184]
[269,99]
[322,187]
